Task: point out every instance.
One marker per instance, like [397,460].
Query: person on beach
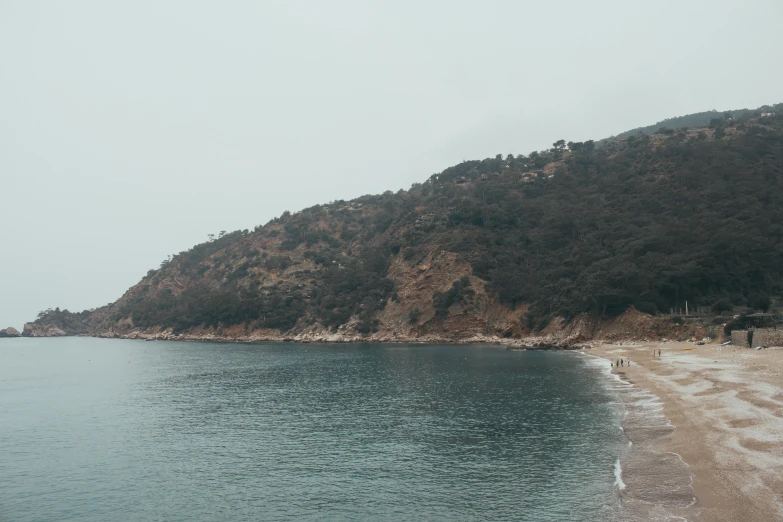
[611,363]
[621,363]
[628,361]
[659,352]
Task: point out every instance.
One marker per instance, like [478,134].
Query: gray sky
[131,130]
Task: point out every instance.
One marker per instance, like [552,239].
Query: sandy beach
[719,409]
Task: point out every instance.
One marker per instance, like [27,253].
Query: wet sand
[723,409]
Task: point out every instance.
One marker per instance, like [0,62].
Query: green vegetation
[346,287]
[74,323]
[459,293]
[699,119]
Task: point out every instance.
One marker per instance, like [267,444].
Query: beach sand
[723,409]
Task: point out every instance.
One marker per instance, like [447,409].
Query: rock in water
[10,332]
[39,330]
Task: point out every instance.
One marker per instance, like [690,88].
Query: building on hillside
[758,320]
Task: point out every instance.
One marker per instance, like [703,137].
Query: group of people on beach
[627,362]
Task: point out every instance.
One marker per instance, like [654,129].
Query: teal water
[94,429]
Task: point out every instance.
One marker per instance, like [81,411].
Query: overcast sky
[131,130]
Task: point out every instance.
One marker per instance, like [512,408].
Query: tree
[557,149]
[722,305]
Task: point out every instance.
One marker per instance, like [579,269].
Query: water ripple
[199,431]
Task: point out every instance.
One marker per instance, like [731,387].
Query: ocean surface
[96,430]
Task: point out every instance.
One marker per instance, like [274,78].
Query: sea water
[94,429]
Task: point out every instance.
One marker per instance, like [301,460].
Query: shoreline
[526,343]
[652,483]
[724,409]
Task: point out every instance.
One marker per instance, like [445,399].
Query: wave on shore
[652,484]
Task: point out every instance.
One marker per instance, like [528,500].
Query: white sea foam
[656,482]
[618,475]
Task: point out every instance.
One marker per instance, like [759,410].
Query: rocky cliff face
[42,330]
[411,316]
[56,322]
[9,332]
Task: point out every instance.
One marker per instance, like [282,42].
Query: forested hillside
[502,245]
[697,119]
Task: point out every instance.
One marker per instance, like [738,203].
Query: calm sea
[94,429]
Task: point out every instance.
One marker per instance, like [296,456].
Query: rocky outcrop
[10,332]
[42,330]
[580,333]
[233,334]
[58,323]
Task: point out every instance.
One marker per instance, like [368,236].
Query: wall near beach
[739,337]
[761,337]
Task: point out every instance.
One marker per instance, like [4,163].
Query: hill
[571,239]
[697,119]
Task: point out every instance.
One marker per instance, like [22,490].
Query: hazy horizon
[130,132]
